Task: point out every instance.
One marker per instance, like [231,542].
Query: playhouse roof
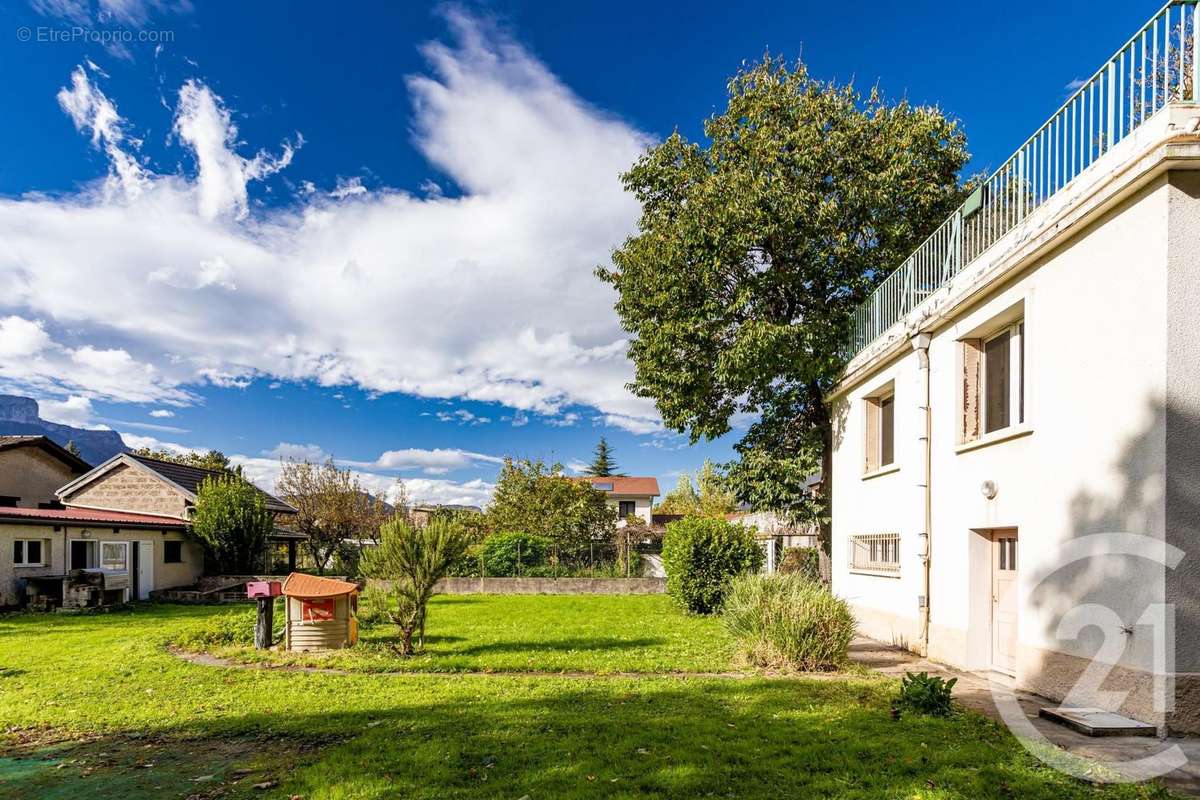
[301,585]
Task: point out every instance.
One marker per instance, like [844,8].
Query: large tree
[331,507]
[714,499]
[754,247]
[232,521]
[536,498]
[212,459]
[602,465]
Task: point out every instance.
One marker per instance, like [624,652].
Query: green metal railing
[1157,66]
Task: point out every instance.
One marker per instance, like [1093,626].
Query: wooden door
[1004,601]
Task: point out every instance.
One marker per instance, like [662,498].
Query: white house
[1017,433]
[627,495]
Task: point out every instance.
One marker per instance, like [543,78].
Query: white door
[1004,601]
[145,570]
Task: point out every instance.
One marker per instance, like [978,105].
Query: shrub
[788,622]
[803,561]
[230,628]
[373,606]
[467,565]
[702,555]
[922,693]
[507,554]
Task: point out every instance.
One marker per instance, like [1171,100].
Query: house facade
[1017,432]
[125,524]
[627,495]
[33,468]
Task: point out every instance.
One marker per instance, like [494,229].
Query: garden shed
[321,612]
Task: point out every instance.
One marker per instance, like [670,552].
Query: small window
[993,382]
[83,554]
[114,556]
[881,431]
[29,553]
[172,552]
[626,508]
[8,502]
[875,553]
[53,504]
[604,487]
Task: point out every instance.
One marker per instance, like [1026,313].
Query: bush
[702,555]
[504,552]
[922,693]
[467,565]
[373,606]
[803,561]
[230,628]
[788,622]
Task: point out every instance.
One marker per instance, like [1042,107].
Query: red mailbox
[256,589]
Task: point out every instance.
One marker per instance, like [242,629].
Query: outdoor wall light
[988,489]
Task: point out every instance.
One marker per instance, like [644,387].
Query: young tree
[232,520]
[754,248]
[534,498]
[331,506]
[680,500]
[602,465]
[414,560]
[714,499]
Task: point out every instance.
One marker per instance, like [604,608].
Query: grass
[101,696]
[532,633]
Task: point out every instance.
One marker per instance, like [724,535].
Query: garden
[734,685]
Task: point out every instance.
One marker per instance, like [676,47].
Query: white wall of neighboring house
[1108,355]
[642,504]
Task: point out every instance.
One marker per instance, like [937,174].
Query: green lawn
[100,696]
[533,633]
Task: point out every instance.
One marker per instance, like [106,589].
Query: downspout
[920,343]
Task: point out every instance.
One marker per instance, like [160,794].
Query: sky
[368,231]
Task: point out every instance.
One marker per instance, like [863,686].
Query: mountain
[19,415]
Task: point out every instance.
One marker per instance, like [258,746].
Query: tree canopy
[754,247]
[232,521]
[713,499]
[536,498]
[212,459]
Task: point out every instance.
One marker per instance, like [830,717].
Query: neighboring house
[127,520]
[421,514]
[1031,378]
[627,495]
[31,470]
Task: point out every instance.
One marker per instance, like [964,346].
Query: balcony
[1155,68]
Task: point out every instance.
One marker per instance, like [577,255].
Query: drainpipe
[920,343]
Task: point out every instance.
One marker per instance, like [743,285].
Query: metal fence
[1157,66]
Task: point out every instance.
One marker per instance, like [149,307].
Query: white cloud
[348,187]
[296,452]
[488,295]
[22,338]
[75,410]
[462,417]
[433,462]
[162,413]
[633,424]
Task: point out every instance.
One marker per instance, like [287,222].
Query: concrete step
[1097,722]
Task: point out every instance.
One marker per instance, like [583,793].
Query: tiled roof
[89,515]
[300,585]
[53,448]
[625,485]
[190,478]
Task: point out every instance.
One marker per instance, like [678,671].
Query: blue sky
[367,230]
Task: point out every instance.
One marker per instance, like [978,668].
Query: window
[8,502]
[603,487]
[881,431]
[114,556]
[172,552]
[875,553]
[83,554]
[53,504]
[29,552]
[626,508]
[993,382]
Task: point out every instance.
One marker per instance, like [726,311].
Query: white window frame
[882,544]
[1016,379]
[100,556]
[93,555]
[43,547]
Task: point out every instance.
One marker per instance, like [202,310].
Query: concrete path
[1120,757]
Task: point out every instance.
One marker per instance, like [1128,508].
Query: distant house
[124,523]
[421,514]
[31,470]
[627,495]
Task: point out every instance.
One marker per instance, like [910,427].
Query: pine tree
[602,465]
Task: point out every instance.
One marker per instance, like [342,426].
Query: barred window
[876,553]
